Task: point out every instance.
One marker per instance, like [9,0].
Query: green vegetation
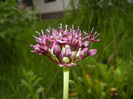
[107,75]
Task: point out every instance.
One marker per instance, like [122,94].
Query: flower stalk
[66,82]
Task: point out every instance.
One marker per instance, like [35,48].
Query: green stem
[66,82]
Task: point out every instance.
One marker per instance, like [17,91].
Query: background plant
[31,82]
[12,22]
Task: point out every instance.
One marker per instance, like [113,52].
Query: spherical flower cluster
[65,47]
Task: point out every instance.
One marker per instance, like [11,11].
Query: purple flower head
[65,47]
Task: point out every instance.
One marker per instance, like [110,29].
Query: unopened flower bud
[83,53]
[67,46]
[73,54]
[68,51]
[65,60]
[77,55]
[56,50]
[92,52]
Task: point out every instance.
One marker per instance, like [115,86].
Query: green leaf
[39,90]
[36,81]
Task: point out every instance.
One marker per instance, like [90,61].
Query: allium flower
[65,47]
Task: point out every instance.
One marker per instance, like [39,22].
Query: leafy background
[107,75]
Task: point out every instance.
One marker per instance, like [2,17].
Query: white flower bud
[77,55]
[65,60]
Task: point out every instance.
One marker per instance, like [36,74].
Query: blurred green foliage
[13,19]
[107,75]
[31,82]
[12,22]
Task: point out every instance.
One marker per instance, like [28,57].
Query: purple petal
[42,33]
[86,43]
[73,54]
[56,49]
[62,42]
[67,65]
[68,51]
[83,53]
[62,55]
[92,52]
[96,40]
[80,42]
